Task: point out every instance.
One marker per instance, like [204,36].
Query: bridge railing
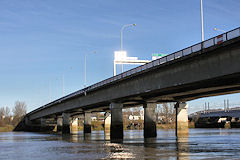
[195,48]
[218,40]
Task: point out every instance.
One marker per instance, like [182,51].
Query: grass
[166,126]
[8,128]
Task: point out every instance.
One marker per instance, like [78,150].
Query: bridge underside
[219,86]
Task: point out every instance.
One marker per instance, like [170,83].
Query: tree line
[165,113]
[14,116]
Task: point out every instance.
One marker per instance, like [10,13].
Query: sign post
[120,57]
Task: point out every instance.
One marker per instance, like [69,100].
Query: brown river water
[200,144]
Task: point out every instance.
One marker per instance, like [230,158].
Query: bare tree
[166,112]
[7,112]
[5,116]
[19,111]
[2,112]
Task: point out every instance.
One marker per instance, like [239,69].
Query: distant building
[132,117]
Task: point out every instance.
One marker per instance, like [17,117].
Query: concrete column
[74,125]
[59,124]
[87,122]
[233,119]
[116,129]
[43,124]
[66,123]
[181,118]
[28,125]
[107,125]
[27,121]
[150,130]
[43,121]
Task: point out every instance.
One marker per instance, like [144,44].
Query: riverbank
[97,126]
[8,128]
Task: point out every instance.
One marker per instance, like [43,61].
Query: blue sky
[40,41]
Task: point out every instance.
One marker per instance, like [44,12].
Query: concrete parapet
[150,130]
[116,129]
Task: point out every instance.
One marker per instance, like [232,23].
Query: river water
[200,144]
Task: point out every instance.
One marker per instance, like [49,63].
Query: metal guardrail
[189,50]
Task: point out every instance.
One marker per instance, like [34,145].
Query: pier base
[150,130]
[116,130]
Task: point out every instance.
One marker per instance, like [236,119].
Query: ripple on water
[201,144]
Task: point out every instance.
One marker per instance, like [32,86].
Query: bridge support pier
[65,123]
[87,122]
[150,130]
[107,125]
[181,119]
[74,125]
[59,124]
[27,122]
[116,129]
[43,123]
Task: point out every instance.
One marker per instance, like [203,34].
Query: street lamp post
[123,27]
[85,69]
[202,20]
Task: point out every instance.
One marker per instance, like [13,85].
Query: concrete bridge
[234,112]
[205,69]
[216,118]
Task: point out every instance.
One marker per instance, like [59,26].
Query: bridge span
[205,69]
[216,118]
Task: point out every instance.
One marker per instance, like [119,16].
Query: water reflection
[118,151]
[182,147]
[87,136]
[107,136]
[200,144]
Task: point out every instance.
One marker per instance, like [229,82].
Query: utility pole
[224,105]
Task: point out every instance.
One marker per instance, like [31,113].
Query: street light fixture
[85,69]
[216,29]
[123,27]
